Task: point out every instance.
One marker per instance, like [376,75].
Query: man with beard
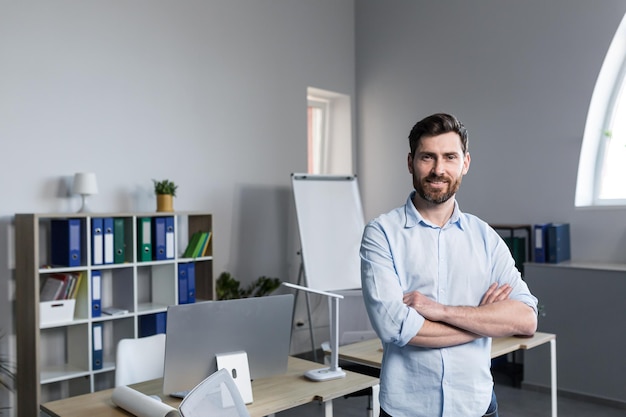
[438,284]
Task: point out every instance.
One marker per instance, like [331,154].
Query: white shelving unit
[55,359]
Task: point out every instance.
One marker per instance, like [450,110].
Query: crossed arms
[496,316]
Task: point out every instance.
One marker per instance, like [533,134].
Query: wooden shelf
[55,359]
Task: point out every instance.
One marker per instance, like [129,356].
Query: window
[611,169]
[329,133]
[317,134]
[602,164]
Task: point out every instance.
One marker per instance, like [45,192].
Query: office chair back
[139,360]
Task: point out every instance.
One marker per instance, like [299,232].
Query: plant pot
[165,202]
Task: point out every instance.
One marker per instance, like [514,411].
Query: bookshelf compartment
[49,241]
[117,289]
[55,310]
[205,284]
[66,388]
[64,352]
[156,287]
[56,359]
[103,380]
[112,332]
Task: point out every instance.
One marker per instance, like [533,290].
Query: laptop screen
[260,326]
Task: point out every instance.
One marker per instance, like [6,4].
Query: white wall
[519,75]
[208,93]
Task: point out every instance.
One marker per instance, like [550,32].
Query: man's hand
[434,311]
[428,308]
[495,293]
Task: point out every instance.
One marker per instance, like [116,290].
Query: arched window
[602,165]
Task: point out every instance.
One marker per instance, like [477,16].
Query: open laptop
[196,333]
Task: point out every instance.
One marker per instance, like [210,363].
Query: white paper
[141,405]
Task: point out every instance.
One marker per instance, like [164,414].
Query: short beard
[437,197]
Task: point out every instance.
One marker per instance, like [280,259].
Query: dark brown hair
[437,124]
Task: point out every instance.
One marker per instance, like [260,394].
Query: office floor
[512,402]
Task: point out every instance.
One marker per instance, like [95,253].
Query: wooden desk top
[271,395]
[370,352]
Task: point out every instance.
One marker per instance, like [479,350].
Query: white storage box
[58,311]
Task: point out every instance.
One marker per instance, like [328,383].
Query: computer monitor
[196,333]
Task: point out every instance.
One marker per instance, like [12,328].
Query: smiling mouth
[437,181]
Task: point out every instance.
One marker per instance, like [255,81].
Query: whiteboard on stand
[331,222]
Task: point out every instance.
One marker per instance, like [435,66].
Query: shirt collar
[413,217]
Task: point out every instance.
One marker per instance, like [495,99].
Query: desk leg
[375,403]
[553,376]
[328,408]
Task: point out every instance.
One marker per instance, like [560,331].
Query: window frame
[337,153]
[599,116]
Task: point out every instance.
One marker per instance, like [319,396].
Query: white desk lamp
[85,184]
[334,371]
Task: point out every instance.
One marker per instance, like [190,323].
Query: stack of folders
[552,242]
[151,324]
[65,242]
[108,244]
[198,245]
[155,238]
[60,286]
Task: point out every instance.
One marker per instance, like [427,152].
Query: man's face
[438,167]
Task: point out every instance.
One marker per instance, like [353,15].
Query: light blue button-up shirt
[453,265]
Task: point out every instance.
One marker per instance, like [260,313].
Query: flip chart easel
[330,222]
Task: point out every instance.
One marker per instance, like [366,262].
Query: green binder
[119,245]
[191,246]
[144,239]
[517,246]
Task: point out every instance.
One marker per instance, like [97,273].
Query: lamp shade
[85,183]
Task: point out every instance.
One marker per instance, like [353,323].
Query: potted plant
[228,288]
[165,192]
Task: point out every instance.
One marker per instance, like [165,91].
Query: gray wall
[211,94]
[519,75]
[208,93]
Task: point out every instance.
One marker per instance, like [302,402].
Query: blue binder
[159,238]
[191,283]
[169,238]
[541,242]
[65,242]
[107,224]
[558,243]
[97,343]
[97,242]
[96,294]
[186,283]
[183,281]
[151,324]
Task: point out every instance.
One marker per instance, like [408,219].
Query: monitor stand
[236,363]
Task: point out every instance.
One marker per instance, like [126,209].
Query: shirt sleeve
[505,272]
[393,321]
